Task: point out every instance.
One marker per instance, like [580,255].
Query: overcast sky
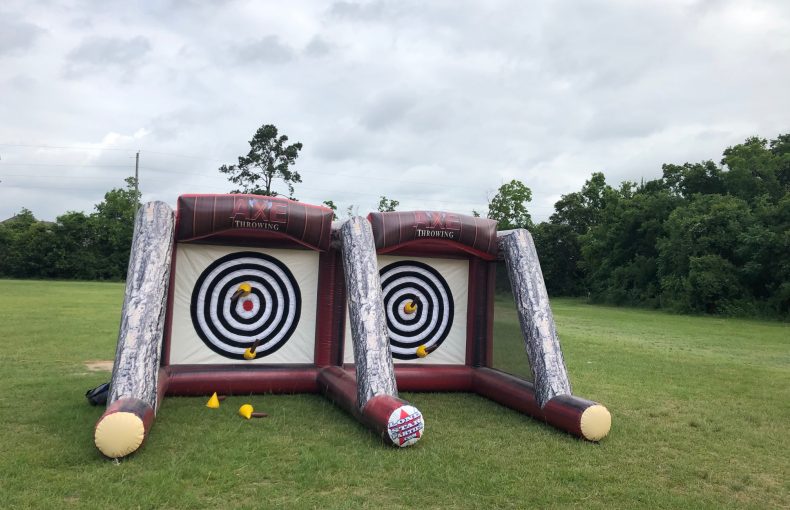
[434,104]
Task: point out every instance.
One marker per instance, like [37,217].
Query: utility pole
[136,178]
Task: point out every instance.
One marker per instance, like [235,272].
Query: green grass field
[701,416]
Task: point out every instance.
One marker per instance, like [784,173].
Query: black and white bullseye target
[242,298]
[419,307]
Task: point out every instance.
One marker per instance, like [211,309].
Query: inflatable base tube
[187,380]
[577,416]
[437,378]
[123,427]
[393,419]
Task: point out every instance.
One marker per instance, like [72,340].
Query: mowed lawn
[700,406]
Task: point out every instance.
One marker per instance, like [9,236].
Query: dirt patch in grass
[99,365]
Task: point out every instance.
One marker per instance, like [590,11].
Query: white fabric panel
[453,350]
[186,347]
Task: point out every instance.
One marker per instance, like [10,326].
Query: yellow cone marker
[246,411]
[213,402]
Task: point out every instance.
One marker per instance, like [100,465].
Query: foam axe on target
[249,352]
[244,290]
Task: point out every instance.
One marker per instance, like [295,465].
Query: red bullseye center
[247,305]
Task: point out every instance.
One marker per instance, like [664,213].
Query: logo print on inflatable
[419,307]
[269,312]
[405,426]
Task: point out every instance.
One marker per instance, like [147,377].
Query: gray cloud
[266,50]
[98,54]
[365,11]
[318,47]
[434,104]
[16,35]
[386,110]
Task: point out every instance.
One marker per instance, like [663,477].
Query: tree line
[704,237]
[77,245]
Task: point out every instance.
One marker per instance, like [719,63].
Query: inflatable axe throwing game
[241,294]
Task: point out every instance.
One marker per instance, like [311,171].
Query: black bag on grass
[98,395]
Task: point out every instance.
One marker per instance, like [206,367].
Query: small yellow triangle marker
[213,402]
[246,411]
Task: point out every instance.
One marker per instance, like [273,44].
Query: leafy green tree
[619,254]
[712,285]
[5,250]
[691,178]
[76,246]
[270,158]
[113,222]
[387,205]
[701,241]
[37,248]
[13,233]
[780,148]
[331,205]
[763,249]
[582,210]
[752,170]
[559,250]
[559,240]
[508,207]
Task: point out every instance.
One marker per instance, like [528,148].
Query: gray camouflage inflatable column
[132,401]
[534,313]
[375,373]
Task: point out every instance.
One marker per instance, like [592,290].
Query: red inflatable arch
[460,252]
[292,233]
[240,294]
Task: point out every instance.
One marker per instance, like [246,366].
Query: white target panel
[425,300]
[227,298]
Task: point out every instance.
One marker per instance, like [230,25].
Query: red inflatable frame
[328,375]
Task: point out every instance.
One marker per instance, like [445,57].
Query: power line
[76,165]
[324,191]
[72,147]
[305,172]
[94,178]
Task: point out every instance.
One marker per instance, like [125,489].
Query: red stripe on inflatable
[330,311]
[474,296]
[171,289]
[340,387]
[239,379]
[245,219]
[436,232]
[488,340]
[162,382]
[434,248]
[563,412]
[434,377]
[377,412]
